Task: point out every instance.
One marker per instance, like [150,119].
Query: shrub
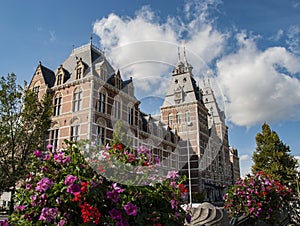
[258,196]
[64,189]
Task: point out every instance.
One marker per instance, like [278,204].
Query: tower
[184,111]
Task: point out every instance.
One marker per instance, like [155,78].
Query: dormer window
[79,70]
[78,73]
[60,75]
[118,83]
[59,80]
[103,73]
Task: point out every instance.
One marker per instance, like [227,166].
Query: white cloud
[278,35]
[145,48]
[293,40]
[244,157]
[258,85]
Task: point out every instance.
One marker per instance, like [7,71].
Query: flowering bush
[258,196]
[63,189]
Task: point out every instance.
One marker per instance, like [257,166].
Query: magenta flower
[115,214]
[38,154]
[47,157]
[48,214]
[62,223]
[123,222]
[44,184]
[74,189]
[172,174]
[61,158]
[130,209]
[70,179]
[19,208]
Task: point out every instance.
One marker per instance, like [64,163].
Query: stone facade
[89,97]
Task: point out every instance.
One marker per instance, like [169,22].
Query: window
[187,117]
[117,109]
[170,119]
[54,137]
[77,99]
[174,161]
[103,73]
[100,135]
[178,118]
[36,90]
[79,73]
[36,87]
[130,115]
[75,132]
[118,83]
[57,106]
[59,79]
[101,102]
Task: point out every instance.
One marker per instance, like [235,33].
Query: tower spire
[179,58]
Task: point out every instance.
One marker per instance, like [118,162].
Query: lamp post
[189,164]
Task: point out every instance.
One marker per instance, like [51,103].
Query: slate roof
[91,57]
[48,75]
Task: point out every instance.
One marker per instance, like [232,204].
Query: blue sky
[250,49]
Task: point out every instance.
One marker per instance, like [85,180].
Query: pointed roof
[183,87]
[210,102]
[47,74]
[91,56]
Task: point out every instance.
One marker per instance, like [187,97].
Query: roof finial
[91,39]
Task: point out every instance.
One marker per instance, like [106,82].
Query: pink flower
[70,179]
[38,154]
[130,209]
[44,184]
[172,174]
[74,189]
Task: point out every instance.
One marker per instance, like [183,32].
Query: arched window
[77,99]
[57,104]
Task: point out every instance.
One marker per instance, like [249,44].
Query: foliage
[273,157]
[63,189]
[258,196]
[24,123]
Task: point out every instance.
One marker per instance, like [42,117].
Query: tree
[273,157]
[24,124]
